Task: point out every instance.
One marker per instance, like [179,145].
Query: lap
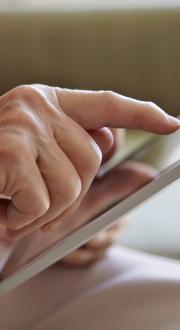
[125,289]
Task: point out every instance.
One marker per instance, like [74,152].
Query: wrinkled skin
[53,141]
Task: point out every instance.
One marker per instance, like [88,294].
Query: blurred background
[129,46]
[92,3]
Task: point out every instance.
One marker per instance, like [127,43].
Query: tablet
[37,251]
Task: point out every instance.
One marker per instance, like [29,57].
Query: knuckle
[93,161]
[27,94]
[149,105]
[73,190]
[20,91]
[110,104]
[34,102]
[96,159]
[140,117]
[14,225]
[40,208]
[108,95]
[109,99]
[148,108]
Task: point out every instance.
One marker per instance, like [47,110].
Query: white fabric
[126,290]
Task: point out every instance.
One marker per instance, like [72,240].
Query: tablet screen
[33,253]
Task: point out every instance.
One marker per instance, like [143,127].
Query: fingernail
[174,121]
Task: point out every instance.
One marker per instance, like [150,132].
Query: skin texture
[53,141]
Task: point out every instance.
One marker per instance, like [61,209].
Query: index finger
[94,110]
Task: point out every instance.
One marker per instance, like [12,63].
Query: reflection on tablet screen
[106,192]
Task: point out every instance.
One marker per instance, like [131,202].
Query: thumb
[94,110]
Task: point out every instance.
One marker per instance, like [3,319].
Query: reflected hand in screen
[114,186]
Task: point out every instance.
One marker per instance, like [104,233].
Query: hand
[115,185]
[52,142]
